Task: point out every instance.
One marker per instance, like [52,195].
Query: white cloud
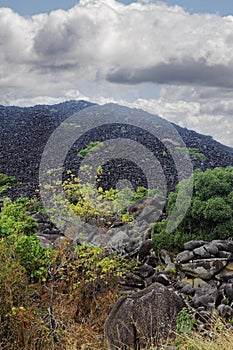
[105,50]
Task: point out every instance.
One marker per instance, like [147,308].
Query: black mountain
[24,133]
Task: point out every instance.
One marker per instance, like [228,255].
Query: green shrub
[33,257]
[6,182]
[14,218]
[184,322]
[210,215]
[92,147]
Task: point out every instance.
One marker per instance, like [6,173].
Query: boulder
[44,242]
[227,289]
[205,295]
[193,244]
[224,245]
[151,260]
[206,251]
[184,256]
[192,282]
[225,311]
[145,249]
[144,271]
[161,278]
[119,239]
[165,256]
[223,254]
[201,253]
[227,273]
[147,314]
[133,281]
[204,269]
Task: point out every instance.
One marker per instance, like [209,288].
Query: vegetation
[6,182]
[210,215]
[92,147]
[193,152]
[15,218]
[50,298]
[100,206]
[60,298]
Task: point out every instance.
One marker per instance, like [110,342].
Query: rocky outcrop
[147,315]
[199,276]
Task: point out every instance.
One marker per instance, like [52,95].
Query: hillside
[25,131]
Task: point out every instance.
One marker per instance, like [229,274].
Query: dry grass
[217,340]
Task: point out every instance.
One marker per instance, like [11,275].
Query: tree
[210,215]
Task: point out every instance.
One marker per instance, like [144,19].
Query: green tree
[210,215]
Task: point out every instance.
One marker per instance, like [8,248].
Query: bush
[14,218]
[33,257]
[98,205]
[6,182]
[20,324]
[210,215]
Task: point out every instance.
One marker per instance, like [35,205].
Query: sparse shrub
[6,182]
[184,322]
[193,152]
[98,205]
[92,147]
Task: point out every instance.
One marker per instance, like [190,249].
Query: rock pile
[24,133]
[208,270]
[201,275]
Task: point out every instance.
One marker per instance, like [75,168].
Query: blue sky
[30,7]
[176,62]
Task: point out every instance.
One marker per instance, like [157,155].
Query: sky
[172,58]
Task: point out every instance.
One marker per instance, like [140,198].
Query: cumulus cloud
[101,48]
[141,42]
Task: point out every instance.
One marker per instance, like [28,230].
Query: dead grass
[216,340]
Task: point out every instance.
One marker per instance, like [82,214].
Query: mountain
[24,132]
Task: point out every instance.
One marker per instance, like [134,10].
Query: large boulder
[203,268]
[148,315]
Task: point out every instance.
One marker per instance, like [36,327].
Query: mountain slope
[24,133]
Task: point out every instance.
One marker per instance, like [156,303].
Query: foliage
[98,205]
[20,324]
[193,152]
[92,147]
[210,215]
[33,257]
[184,322]
[6,182]
[14,218]
[90,264]
[73,302]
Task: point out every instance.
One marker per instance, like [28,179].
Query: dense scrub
[210,215]
[55,299]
